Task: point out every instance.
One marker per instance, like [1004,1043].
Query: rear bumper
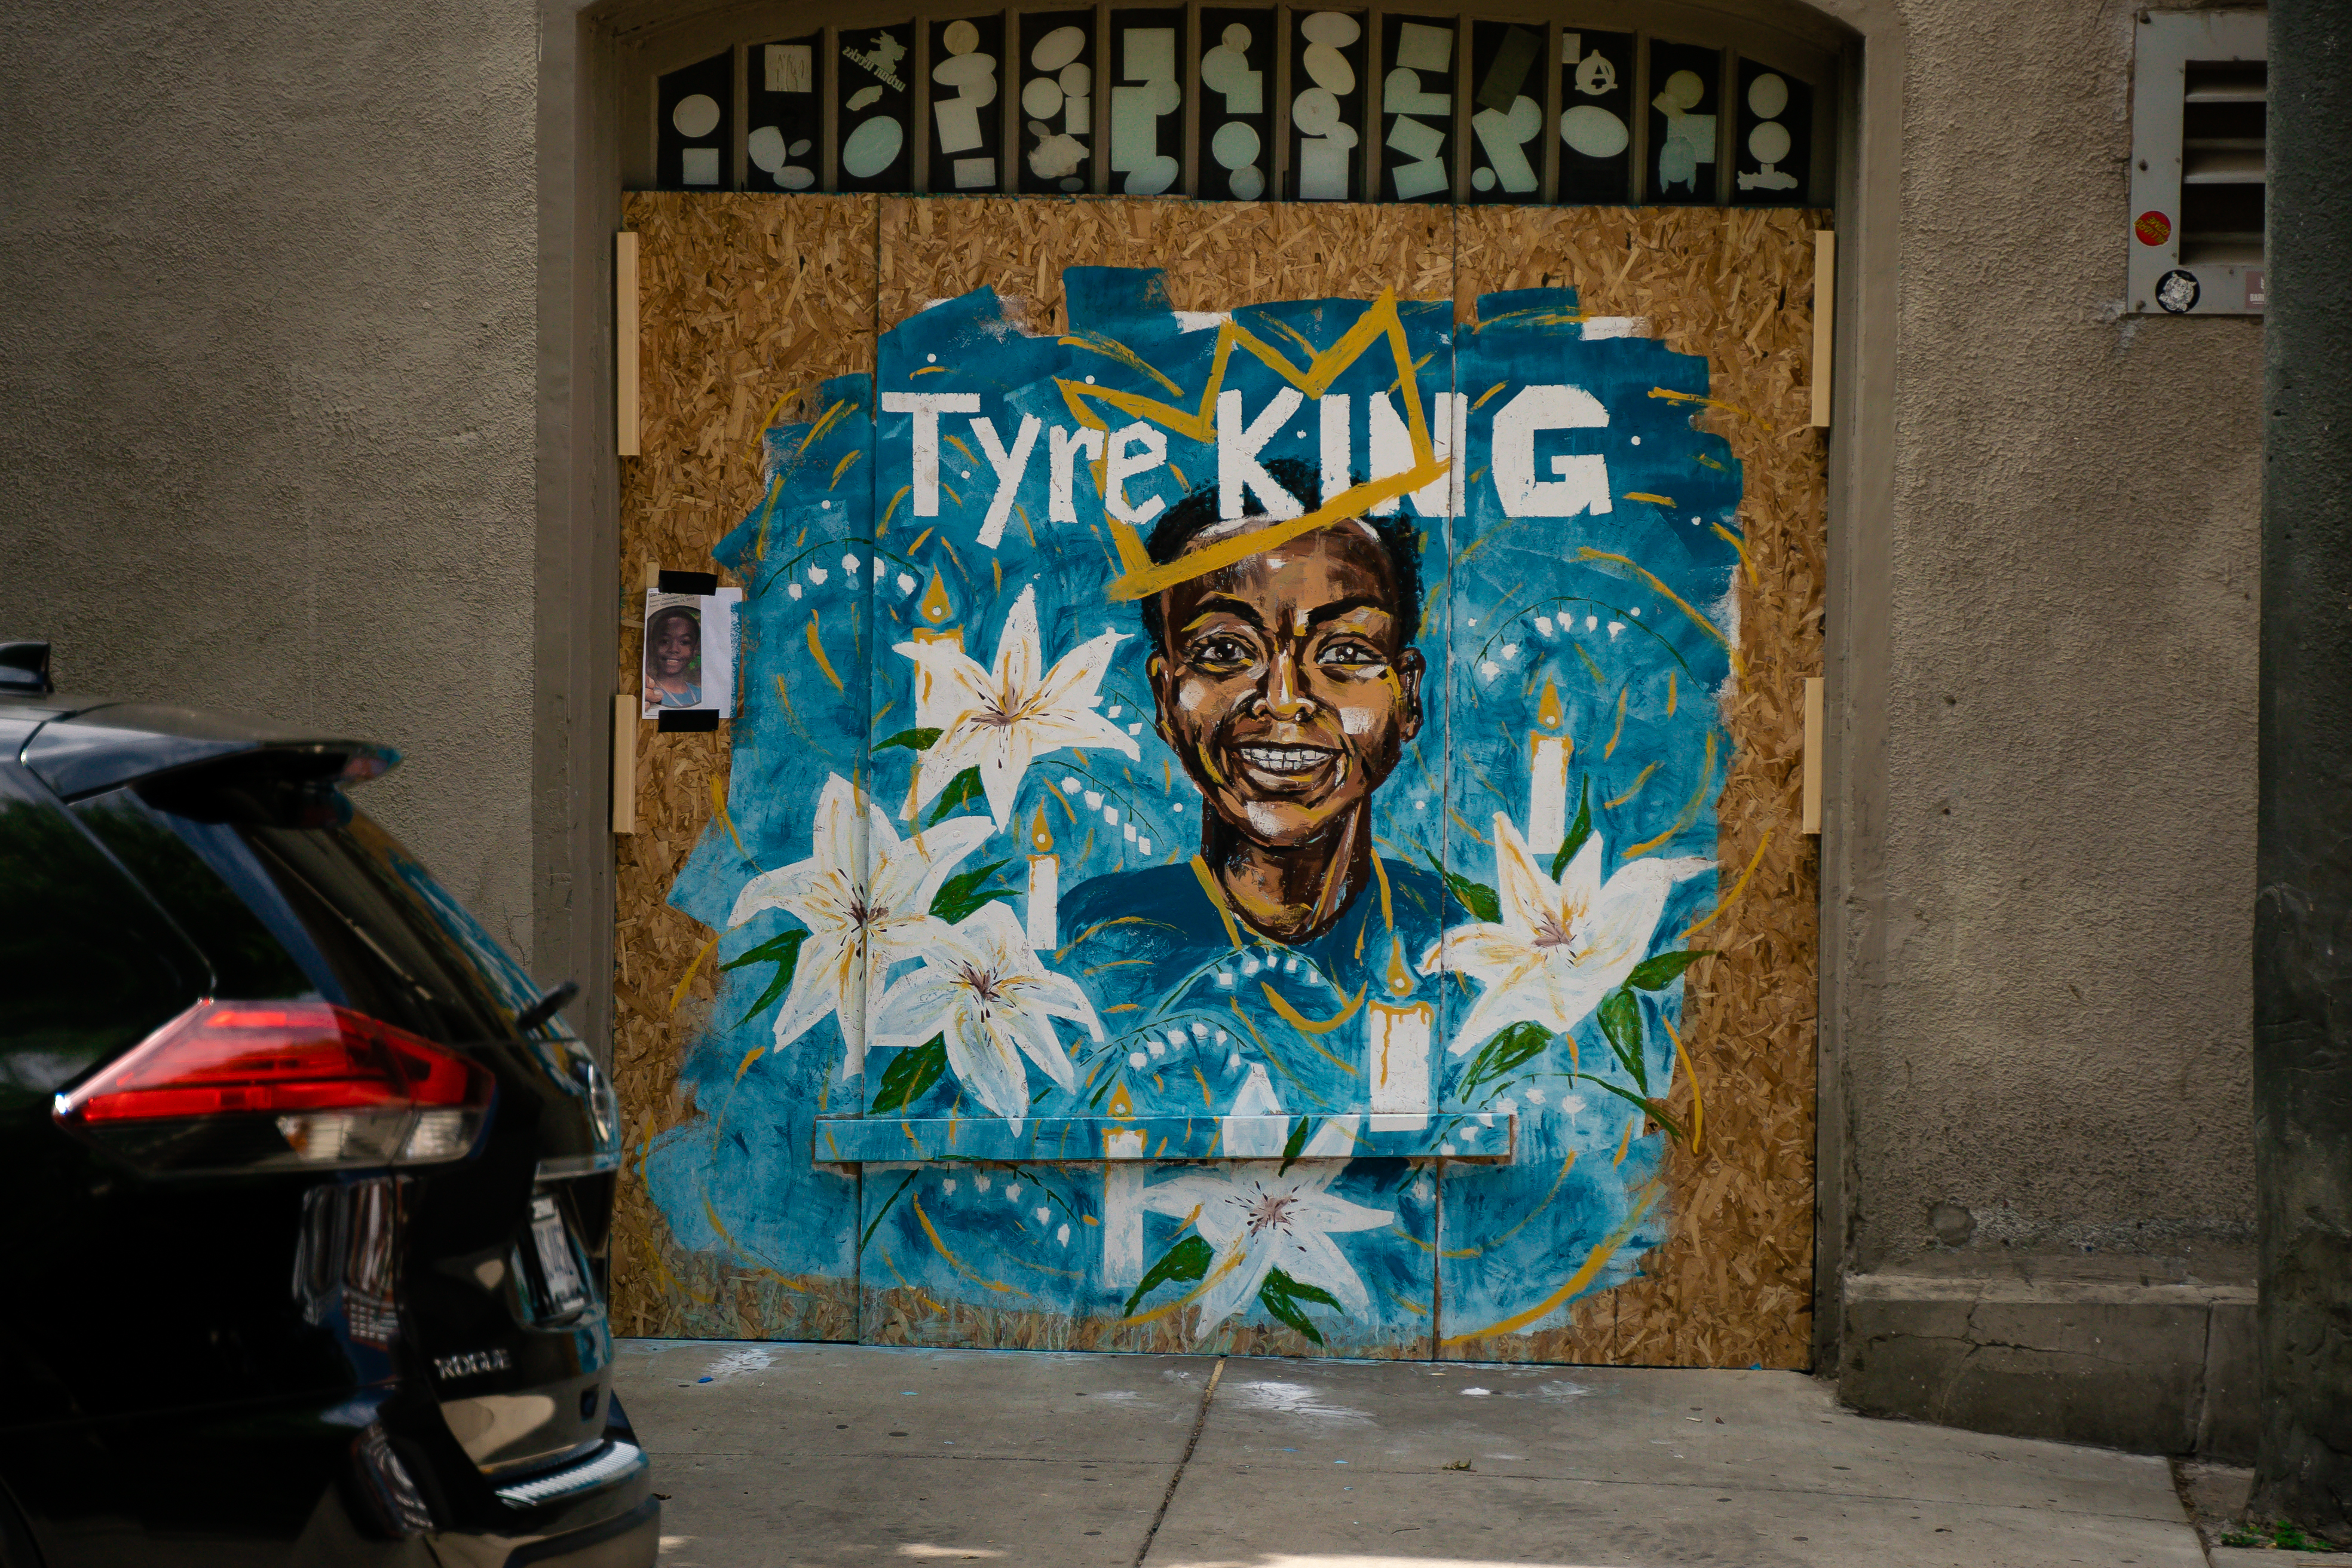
[627,1540]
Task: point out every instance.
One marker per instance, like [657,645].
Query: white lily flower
[1001,719]
[1259,1217]
[989,992]
[1561,948]
[860,923]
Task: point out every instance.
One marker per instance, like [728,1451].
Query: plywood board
[746,303]
[1732,1286]
[735,321]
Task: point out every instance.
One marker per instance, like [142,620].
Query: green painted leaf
[1188,1260]
[1658,973]
[961,894]
[1621,1023]
[1578,831]
[1280,1295]
[913,740]
[785,953]
[887,1203]
[1276,1280]
[1511,1047]
[963,790]
[1653,1109]
[911,1075]
[1298,1142]
[1477,897]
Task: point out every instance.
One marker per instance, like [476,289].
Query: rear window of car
[92,966]
[320,901]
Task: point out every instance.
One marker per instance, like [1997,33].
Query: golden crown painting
[1220,810]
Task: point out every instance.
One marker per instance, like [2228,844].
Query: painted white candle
[1123,1184]
[1550,749]
[1397,1033]
[1397,1041]
[1044,888]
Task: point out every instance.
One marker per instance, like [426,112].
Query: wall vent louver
[2200,116]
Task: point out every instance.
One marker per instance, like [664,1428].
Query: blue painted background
[1621,616]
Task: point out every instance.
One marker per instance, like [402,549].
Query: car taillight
[285,1085]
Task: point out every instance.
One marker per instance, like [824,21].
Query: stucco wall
[268,417]
[2061,1023]
[267,434]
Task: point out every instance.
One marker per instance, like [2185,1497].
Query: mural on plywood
[1205,783]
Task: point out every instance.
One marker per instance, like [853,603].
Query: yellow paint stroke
[1206,1101]
[718,809]
[825,423]
[1672,397]
[1739,546]
[1690,808]
[758,444]
[1466,826]
[1111,348]
[1625,1144]
[1125,1007]
[1640,779]
[687,979]
[1089,1219]
[1698,1106]
[1116,964]
[1141,576]
[1644,495]
[1564,1166]
[843,467]
[919,543]
[1737,887]
[907,1128]
[1617,735]
[1424,1245]
[1670,694]
[891,510]
[775,493]
[1488,394]
[671,1283]
[1292,1016]
[710,1213]
[953,1261]
[784,695]
[817,649]
[1593,1263]
[1599,679]
[1208,881]
[1415,1308]
[749,1057]
[1705,461]
[1586,553]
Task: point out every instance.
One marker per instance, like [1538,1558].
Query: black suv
[304,1191]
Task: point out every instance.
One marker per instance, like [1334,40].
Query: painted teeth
[1283,758]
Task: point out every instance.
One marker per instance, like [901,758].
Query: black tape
[671,720]
[703,582]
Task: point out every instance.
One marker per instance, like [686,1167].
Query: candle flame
[1119,1104]
[935,607]
[1548,712]
[1038,837]
[1399,976]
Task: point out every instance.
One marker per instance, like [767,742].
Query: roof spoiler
[120,743]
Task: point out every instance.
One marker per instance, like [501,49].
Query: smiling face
[1284,682]
[675,646]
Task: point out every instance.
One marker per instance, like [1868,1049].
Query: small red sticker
[2153,228]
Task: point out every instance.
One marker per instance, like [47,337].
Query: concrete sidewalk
[844,1455]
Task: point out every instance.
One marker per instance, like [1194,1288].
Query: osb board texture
[729,330]
[903,1315]
[1732,1284]
[1216,254]
[745,304]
